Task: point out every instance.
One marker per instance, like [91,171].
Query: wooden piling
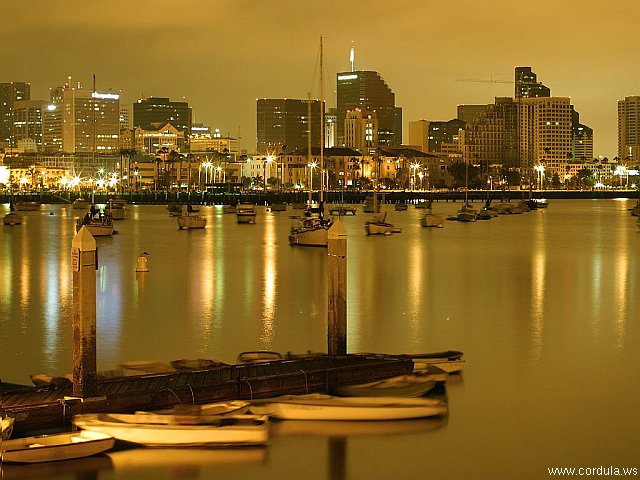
[337,289]
[84,265]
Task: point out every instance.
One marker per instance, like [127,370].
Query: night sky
[222,55]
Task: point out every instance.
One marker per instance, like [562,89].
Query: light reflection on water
[541,303]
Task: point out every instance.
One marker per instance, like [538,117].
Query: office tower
[160,110]
[435,137]
[282,124]
[125,117]
[368,91]
[361,131]
[9,93]
[527,85]
[581,139]
[468,113]
[629,128]
[27,124]
[545,134]
[90,121]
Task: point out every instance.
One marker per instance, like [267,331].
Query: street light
[414,167]
[540,172]
[268,161]
[312,167]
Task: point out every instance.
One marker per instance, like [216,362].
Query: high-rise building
[545,134]
[527,85]
[154,110]
[27,124]
[9,93]
[468,113]
[435,137]
[581,139]
[629,128]
[368,91]
[90,121]
[282,124]
[125,117]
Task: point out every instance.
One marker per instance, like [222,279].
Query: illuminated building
[154,110]
[629,128]
[10,93]
[282,124]
[27,124]
[527,85]
[368,91]
[361,131]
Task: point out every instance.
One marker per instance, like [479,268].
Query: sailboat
[312,229]
[467,213]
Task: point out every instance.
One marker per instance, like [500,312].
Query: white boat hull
[430,220]
[326,407]
[399,386]
[49,448]
[96,228]
[312,237]
[188,222]
[449,366]
[133,428]
[246,217]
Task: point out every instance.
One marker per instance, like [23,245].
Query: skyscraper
[10,93]
[283,124]
[629,128]
[27,124]
[368,91]
[148,111]
[527,85]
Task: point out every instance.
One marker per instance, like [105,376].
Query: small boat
[342,210]
[246,213]
[152,430]
[232,407]
[542,202]
[45,380]
[400,207]
[318,406]
[278,207]
[258,356]
[12,218]
[400,386]
[196,364]
[380,226]
[309,231]
[189,221]
[467,214]
[117,209]
[99,225]
[6,427]
[55,447]
[81,204]
[450,361]
[431,220]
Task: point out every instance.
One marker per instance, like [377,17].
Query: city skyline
[222,58]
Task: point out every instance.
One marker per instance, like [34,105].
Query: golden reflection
[270,281]
[208,270]
[416,283]
[538,279]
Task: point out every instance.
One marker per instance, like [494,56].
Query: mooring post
[337,289]
[84,263]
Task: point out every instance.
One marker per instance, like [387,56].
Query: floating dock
[52,407]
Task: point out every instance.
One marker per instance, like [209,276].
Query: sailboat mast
[321,130]
[309,146]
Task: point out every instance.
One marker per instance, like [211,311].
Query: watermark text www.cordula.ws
[601,471]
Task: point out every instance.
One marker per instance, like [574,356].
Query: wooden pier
[53,407]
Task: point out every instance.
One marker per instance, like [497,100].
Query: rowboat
[246,213]
[317,406]
[203,411]
[6,427]
[400,386]
[188,221]
[153,430]
[450,361]
[195,364]
[60,446]
[380,226]
[258,356]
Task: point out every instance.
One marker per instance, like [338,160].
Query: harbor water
[545,306]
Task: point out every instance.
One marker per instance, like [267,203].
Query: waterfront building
[545,134]
[27,124]
[629,129]
[157,137]
[282,124]
[368,91]
[203,139]
[161,110]
[10,92]
[342,166]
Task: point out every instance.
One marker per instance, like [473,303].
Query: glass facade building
[282,124]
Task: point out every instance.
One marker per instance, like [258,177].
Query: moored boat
[467,214]
[195,364]
[450,361]
[178,431]
[258,356]
[6,427]
[246,213]
[99,225]
[431,220]
[380,226]
[190,221]
[310,232]
[326,407]
[55,447]
[400,386]
[12,218]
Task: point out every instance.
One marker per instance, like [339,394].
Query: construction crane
[478,80]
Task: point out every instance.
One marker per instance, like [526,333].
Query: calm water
[545,306]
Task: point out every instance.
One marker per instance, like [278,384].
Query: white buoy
[142,263]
